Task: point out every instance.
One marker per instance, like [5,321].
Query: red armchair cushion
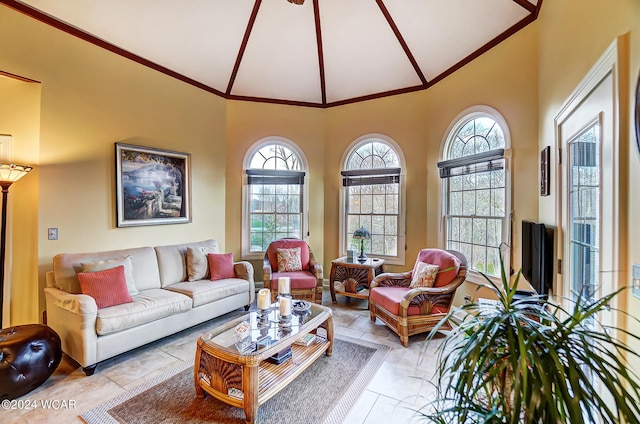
[449,264]
[390,297]
[299,279]
[272,252]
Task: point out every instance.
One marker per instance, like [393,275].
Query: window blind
[270,176]
[357,177]
[481,162]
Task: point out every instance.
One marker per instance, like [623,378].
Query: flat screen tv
[538,255]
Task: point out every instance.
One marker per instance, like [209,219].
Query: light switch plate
[636,280]
[52,234]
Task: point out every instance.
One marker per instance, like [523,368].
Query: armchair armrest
[428,297]
[244,270]
[387,279]
[316,269]
[266,271]
[314,266]
[73,317]
[79,304]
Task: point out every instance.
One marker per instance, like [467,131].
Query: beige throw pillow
[424,275]
[198,262]
[127,262]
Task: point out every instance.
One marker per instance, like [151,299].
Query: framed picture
[637,114]
[153,186]
[545,171]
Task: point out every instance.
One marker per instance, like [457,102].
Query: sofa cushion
[172,260]
[107,287]
[205,291]
[390,297]
[112,263]
[145,267]
[221,266]
[449,264]
[272,252]
[198,262]
[147,306]
[298,279]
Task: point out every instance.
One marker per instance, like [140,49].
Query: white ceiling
[321,53]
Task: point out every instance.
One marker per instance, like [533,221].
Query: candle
[264,299]
[283,285]
[285,306]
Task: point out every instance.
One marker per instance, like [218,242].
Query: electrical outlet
[52,234]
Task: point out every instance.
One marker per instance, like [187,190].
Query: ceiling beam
[17,77]
[243,45]
[403,43]
[323,88]
[531,8]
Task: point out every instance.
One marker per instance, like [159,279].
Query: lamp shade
[10,173]
[361,234]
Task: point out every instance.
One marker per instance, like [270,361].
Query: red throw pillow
[221,266]
[108,287]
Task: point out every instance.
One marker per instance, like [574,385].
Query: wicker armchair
[408,311]
[306,284]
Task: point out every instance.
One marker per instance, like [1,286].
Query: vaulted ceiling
[319,53]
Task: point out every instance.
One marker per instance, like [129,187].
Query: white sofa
[165,304]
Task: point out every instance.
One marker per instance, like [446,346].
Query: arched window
[373,197]
[275,198]
[475,177]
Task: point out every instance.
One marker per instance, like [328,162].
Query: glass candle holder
[284,323]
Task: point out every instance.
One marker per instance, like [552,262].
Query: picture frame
[545,171]
[637,114]
[153,186]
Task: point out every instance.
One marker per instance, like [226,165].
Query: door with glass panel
[589,197]
[589,193]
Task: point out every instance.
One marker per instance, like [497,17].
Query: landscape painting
[153,186]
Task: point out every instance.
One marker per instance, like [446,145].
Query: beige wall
[248,123]
[573,36]
[90,99]
[505,79]
[20,118]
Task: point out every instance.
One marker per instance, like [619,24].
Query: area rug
[323,393]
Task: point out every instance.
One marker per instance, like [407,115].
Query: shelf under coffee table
[246,379]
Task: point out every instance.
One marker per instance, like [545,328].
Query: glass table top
[259,330]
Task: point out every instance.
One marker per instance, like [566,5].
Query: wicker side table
[352,278]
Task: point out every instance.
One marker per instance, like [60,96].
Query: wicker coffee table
[246,379]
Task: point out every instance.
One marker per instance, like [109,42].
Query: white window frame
[304,225]
[474,112]
[399,259]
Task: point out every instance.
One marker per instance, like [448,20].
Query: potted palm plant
[528,360]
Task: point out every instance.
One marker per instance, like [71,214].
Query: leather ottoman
[29,354]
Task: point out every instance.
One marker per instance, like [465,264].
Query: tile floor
[401,385]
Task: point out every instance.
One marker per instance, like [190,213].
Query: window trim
[473,112]
[247,171]
[402,236]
